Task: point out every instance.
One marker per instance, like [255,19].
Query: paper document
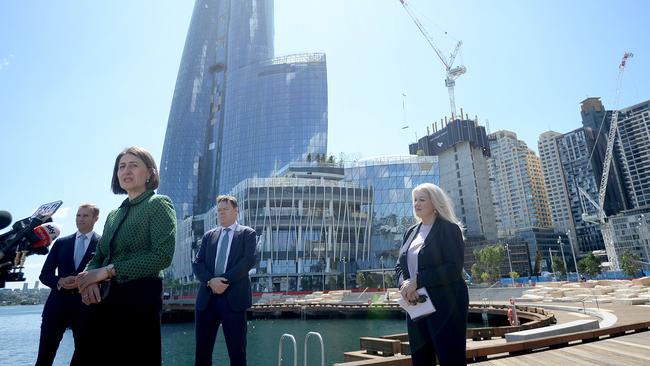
[421,308]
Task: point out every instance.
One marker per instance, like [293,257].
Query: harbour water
[20,327]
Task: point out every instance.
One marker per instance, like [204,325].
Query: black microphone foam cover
[5,219]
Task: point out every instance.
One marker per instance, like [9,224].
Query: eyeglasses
[421,299]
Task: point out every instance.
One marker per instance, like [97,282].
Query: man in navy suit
[226,255]
[63,308]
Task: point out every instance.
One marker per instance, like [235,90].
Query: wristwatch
[109,271]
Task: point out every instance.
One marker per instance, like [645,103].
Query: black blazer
[440,265]
[61,259]
[241,259]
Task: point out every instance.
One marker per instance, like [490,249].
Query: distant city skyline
[81,81]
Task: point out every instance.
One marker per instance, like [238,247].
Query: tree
[514,275]
[305,283]
[557,266]
[488,261]
[390,280]
[372,280]
[476,271]
[629,263]
[589,265]
[362,280]
[331,159]
[309,158]
[331,282]
[485,277]
[538,263]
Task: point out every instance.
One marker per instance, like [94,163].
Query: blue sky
[79,81]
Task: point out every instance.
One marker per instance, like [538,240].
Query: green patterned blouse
[144,244]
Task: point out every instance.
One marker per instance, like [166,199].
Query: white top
[414,250]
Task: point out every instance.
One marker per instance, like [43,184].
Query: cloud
[61,213]
[5,61]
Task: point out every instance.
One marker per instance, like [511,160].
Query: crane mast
[606,226]
[452,72]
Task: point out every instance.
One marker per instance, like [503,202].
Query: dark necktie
[220,263]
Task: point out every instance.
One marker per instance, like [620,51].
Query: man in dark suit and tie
[226,255]
[63,309]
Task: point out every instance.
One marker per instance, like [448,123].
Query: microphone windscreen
[46,234]
[5,219]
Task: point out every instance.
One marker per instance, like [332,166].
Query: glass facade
[634,129]
[307,228]
[237,112]
[632,232]
[575,148]
[185,135]
[276,113]
[546,242]
[392,178]
[597,119]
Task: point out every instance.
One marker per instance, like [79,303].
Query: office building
[555,183]
[462,149]
[520,199]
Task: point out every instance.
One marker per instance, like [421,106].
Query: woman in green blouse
[137,244]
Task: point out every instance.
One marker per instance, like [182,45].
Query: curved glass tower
[276,114]
[237,112]
[185,136]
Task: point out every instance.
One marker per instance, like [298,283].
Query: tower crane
[600,217]
[452,72]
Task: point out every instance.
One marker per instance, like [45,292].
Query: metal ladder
[295,348]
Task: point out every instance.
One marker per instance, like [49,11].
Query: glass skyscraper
[186,127]
[276,113]
[237,112]
[575,147]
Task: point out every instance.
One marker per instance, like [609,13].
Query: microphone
[5,219]
[35,241]
[46,234]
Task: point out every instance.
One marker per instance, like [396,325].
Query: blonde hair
[440,201]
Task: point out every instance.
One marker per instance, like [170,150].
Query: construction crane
[600,217]
[452,72]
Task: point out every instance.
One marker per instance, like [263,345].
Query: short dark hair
[227,198]
[91,207]
[149,162]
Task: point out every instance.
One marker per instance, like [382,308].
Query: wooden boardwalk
[624,343]
[628,350]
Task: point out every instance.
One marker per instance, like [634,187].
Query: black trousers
[63,310]
[441,336]
[124,329]
[207,322]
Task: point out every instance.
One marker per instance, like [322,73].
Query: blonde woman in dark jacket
[431,257]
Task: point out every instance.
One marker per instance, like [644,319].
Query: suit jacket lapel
[405,248]
[409,240]
[234,247]
[69,251]
[432,234]
[90,252]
